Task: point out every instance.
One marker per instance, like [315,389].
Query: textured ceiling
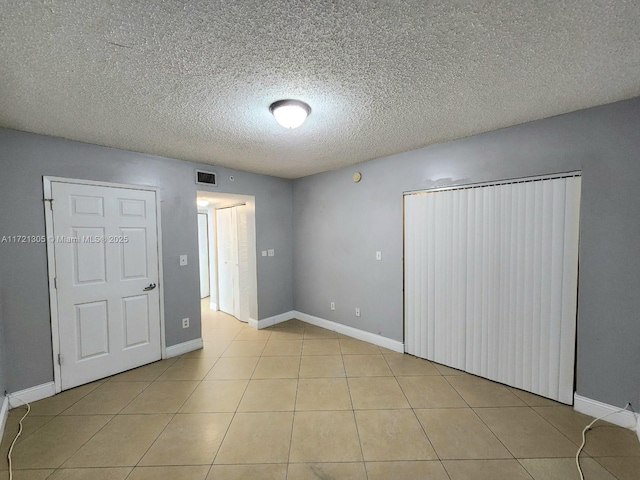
[193,79]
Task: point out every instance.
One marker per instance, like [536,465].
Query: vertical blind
[491,279]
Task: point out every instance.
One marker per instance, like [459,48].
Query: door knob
[150,287]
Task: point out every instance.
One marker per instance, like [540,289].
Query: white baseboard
[182,348]
[270,321]
[33,394]
[625,418]
[4,413]
[379,340]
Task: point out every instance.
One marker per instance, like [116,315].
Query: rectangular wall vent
[206,178]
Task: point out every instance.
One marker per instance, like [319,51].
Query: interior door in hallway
[203,254]
[233,261]
[106,264]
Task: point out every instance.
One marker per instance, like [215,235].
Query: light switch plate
[272,252]
[378,255]
[183,260]
[264,253]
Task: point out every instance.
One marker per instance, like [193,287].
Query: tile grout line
[415,415]
[355,420]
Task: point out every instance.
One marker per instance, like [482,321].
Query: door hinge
[59,359]
[55,282]
[50,200]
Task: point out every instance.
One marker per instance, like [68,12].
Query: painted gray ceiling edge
[193,80]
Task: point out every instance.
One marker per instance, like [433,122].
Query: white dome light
[290,113]
[202,203]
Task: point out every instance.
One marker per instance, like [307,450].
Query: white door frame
[223,200]
[51,264]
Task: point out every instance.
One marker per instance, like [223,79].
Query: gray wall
[3,375]
[338,226]
[25,158]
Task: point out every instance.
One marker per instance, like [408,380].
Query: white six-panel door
[106,264]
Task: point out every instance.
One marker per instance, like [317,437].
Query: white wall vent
[206,178]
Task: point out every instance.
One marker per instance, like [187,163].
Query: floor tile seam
[87,441]
[140,393]
[566,458]
[192,391]
[173,416]
[22,435]
[444,467]
[102,382]
[353,413]
[355,422]
[595,459]
[413,410]
[566,436]
[226,432]
[293,419]
[235,412]
[488,459]
[155,439]
[491,430]
[446,378]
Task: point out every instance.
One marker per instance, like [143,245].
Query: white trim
[33,394]
[51,266]
[185,347]
[270,321]
[464,186]
[4,414]
[163,337]
[213,306]
[369,337]
[82,181]
[53,296]
[626,419]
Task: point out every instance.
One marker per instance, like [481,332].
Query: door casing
[51,266]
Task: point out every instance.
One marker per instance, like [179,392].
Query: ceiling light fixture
[290,113]
[202,203]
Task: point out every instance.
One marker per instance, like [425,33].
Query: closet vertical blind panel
[491,281]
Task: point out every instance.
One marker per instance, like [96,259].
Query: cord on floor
[584,437]
[17,436]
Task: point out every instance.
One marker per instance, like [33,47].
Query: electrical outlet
[185,323]
[183,260]
[333,305]
[357,311]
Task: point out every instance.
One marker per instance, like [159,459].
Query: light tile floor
[299,402]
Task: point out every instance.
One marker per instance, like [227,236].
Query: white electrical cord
[584,438]
[17,436]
